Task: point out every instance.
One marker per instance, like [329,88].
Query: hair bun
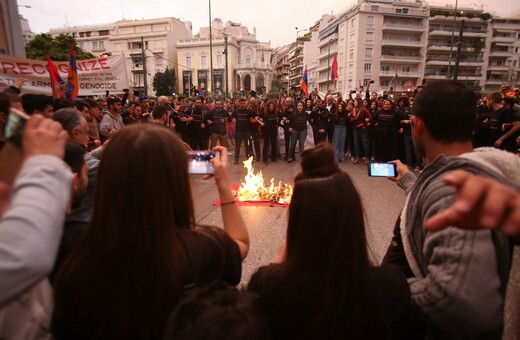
[318,162]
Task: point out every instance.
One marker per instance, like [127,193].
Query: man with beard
[243,118]
[217,119]
[198,127]
[500,117]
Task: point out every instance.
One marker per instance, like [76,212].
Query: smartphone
[199,162]
[15,125]
[376,169]
[11,156]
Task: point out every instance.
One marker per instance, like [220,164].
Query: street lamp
[298,31]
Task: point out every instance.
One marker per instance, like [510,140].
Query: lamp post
[226,53]
[145,75]
[452,39]
[298,31]
[210,85]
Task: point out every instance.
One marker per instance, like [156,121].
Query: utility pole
[328,64]
[459,46]
[226,53]
[210,88]
[145,74]
[452,37]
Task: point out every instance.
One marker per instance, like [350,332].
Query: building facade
[248,60]
[145,44]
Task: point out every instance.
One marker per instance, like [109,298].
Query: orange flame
[254,189]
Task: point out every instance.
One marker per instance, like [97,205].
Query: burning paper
[254,189]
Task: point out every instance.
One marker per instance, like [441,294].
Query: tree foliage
[164,82]
[57,48]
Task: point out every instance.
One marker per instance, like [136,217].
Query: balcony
[296,67]
[497,67]
[449,32]
[505,54]
[508,40]
[449,18]
[400,74]
[327,40]
[135,51]
[461,76]
[403,27]
[324,67]
[495,81]
[401,58]
[158,50]
[324,55]
[446,61]
[405,43]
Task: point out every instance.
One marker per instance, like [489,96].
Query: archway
[247,83]
[260,83]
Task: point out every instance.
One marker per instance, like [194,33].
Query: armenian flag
[72,79]
[334,70]
[55,78]
[304,83]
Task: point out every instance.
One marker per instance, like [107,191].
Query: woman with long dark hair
[324,286]
[339,137]
[143,249]
[269,118]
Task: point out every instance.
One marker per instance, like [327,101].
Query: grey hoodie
[460,276]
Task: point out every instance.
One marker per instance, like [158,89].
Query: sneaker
[289,160]
[235,162]
[285,159]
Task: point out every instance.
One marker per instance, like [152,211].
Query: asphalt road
[382,200]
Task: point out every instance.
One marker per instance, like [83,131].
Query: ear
[417,125]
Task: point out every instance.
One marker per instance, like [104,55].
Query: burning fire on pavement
[253,188]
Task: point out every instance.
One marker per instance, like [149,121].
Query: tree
[57,48]
[164,82]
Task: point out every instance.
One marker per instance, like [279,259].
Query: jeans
[239,136]
[297,136]
[338,141]
[270,140]
[360,140]
[255,142]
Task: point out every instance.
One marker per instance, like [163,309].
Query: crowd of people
[96,242]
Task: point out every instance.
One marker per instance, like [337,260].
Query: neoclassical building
[249,61]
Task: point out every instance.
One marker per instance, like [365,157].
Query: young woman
[143,250]
[387,132]
[340,118]
[323,285]
[372,108]
[298,129]
[269,117]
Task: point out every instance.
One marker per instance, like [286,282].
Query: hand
[402,169]
[498,142]
[506,126]
[43,136]
[221,169]
[209,122]
[290,130]
[19,82]
[401,130]
[112,131]
[202,125]
[480,203]
[321,130]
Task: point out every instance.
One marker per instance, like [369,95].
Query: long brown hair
[125,276]
[327,247]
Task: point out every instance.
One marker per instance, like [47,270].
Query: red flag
[304,83]
[334,70]
[72,79]
[56,80]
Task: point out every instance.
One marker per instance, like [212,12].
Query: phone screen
[382,170]
[199,162]
[14,126]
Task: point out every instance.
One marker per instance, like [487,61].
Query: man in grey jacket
[457,277]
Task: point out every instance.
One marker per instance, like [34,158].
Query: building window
[406,69]
[370,21]
[219,60]
[248,61]
[368,52]
[203,61]
[514,63]
[94,45]
[351,55]
[385,83]
[387,37]
[368,67]
[80,45]
[340,85]
[158,61]
[188,61]
[405,10]
[374,8]
[340,71]
[385,68]
[370,36]
[341,57]
[101,45]
[353,23]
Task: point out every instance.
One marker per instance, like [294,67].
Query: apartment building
[150,41]
[295,63]
[249,61]
[383,41]
[502,58]
[281,65]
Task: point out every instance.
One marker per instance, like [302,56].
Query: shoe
[355,161]
[285,159]
[235,162]
[289,160]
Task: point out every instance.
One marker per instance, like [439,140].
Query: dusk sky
[275,21]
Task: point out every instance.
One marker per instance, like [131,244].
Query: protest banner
[96,76]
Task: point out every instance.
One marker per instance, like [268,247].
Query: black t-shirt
[388,119]
[215,116]
[292,313]
[242,119]
[270,120]
[298,121]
